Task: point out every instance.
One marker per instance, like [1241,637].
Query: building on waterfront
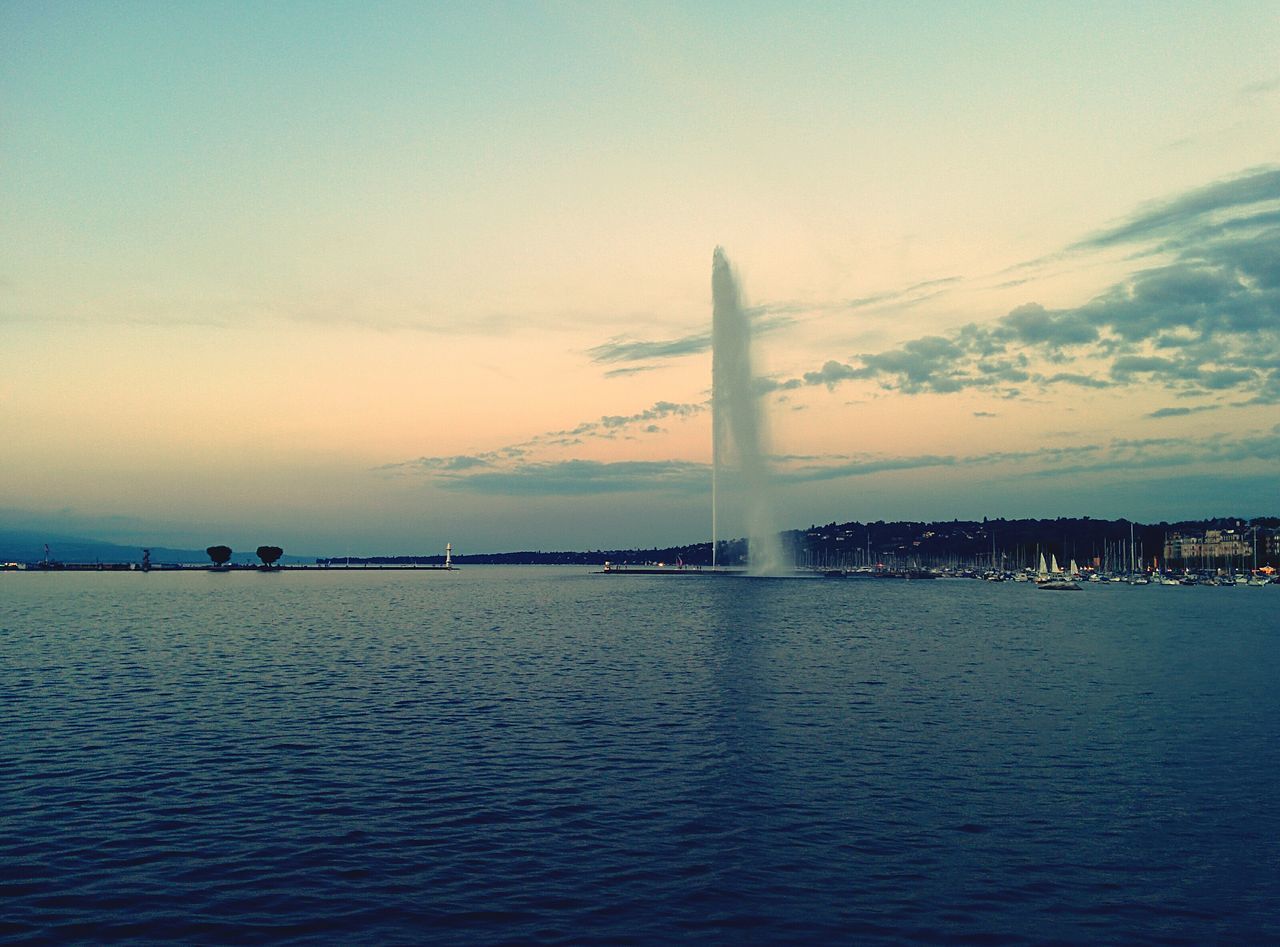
[1221,548]
[1268,547]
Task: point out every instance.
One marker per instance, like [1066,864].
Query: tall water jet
[736,422]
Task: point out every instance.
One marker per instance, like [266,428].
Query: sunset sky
[367,278]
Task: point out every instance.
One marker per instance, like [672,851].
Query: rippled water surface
[543,755]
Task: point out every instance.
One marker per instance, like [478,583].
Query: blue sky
[382,276]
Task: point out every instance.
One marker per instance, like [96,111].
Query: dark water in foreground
[536,755]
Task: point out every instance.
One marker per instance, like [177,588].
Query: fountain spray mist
[736,420]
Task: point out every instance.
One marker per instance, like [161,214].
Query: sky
[370,278]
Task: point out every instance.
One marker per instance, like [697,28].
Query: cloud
[621,350]
[940,364]
[1165,453]
[455,463]
[629,370]
[830,374]
[587,477]
[661,409]
[1059,461]
[513,475]
[1252,187]
[863,468]
[1183,411]
[1032,324]
[607,426]
[1075,378]
[763,319]
[909,296]
[1126,367]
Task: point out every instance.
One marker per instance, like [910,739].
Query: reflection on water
[544,755]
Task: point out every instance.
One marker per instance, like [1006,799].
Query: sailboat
[1056,581]
[1135,577]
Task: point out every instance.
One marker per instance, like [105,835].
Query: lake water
[546,756]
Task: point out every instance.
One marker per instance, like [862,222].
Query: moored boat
[1060,585]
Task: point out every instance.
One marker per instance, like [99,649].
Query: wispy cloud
[1177,412]
[628,370]
[1118,454]
[1167,453]
[763,319]
[622,350]
[907,296]
[609,427]
[1255,187]
[585,477]
[865,468]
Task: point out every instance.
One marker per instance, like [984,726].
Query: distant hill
[1013,543]
[24,545]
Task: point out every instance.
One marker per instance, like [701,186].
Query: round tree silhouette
[269,555]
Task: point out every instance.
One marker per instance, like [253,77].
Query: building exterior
[1212,549]
[1269,547]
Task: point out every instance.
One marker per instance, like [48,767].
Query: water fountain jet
[738,432]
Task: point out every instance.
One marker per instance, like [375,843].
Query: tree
[220,555]
[269,555]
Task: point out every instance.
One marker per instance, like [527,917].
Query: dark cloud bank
[583,477]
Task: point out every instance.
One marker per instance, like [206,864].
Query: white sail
[1054,568]
[1043,571]
[1075,570]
